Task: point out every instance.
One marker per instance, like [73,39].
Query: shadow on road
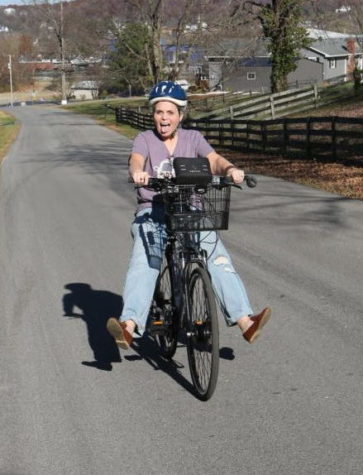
[147,349]
[97,306]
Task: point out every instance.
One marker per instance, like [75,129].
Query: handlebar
[217,181]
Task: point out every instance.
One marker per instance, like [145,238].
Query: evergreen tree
[282,27]
[128,67]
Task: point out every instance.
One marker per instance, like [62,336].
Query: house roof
[239,47]
[329,47]
[332,47]
[316,34]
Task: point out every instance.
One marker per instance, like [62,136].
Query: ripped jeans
[150,237]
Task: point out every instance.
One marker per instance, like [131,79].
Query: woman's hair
[181,110]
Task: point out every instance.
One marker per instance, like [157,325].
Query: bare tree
[14,46]
[169,20]
[355,13]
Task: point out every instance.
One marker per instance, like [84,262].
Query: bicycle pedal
[158,326]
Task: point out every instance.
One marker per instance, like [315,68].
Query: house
[337,55]
[84,90]
[325,59]
[239,65]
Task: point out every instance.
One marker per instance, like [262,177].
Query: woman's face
[166,119]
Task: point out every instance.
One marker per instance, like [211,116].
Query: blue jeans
[149,234]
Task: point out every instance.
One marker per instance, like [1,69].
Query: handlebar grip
[251,181]
[152,182]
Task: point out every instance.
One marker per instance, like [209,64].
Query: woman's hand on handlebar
[236,174]
[140,178]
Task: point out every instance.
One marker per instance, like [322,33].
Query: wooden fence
[134,118]
[300,95]
[272,106]
[268,106]
[324,138]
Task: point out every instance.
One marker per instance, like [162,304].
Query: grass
[8,131]
[103,112]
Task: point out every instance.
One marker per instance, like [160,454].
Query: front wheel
[202,332]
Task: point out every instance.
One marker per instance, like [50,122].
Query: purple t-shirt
[159,162]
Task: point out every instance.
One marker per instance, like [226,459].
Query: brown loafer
[259,321]
[118,330]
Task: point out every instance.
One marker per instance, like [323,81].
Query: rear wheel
[202,331]
[165,324]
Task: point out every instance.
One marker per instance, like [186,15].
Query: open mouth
[165,128]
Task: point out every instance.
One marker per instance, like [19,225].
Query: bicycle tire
[202,332]
[167,338]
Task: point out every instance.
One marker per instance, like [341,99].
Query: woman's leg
[231,291]
[149,242]
[227,284]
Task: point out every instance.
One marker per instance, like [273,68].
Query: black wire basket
[191,208]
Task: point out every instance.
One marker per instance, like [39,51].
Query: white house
[84,90]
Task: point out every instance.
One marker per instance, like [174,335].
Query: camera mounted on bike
[192,171]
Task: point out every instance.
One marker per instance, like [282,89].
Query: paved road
[290,404]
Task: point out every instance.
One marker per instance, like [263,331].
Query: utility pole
[64,94]
[11,81]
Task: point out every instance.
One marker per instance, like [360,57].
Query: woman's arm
[136,169]
[221,166]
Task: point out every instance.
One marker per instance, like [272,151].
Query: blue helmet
[168,91]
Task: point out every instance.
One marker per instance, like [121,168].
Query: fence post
[232,134]
[334,137]
[263,136]
[272,104]
[119,114]
[285,136]
[316,96]
[248,136]
[308,137]
[231,112]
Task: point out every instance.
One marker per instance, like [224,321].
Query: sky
[4,3]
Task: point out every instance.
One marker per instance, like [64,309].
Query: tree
[65,30]
[15,45]
[167,18]
[129,61]
[281,24]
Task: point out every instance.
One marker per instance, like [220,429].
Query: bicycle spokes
[203,345]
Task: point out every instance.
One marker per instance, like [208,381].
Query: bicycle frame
[182,252]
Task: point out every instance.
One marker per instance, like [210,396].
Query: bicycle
[184,298]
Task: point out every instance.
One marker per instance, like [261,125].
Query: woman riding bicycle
[152,156]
